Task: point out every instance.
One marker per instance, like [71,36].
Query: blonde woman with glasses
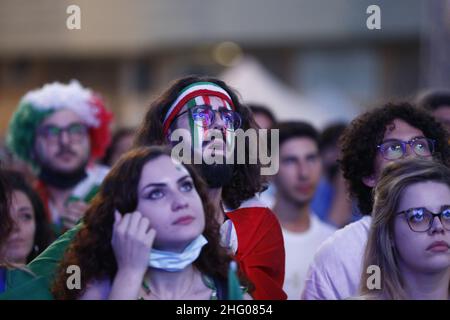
[410,234]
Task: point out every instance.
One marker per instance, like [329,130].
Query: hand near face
[74,212]
[132,240]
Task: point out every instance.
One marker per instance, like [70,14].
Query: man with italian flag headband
[205,107]
[59,130]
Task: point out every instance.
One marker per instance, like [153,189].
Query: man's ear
[370,181]
[167,136]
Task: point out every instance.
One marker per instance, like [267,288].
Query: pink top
[336,269]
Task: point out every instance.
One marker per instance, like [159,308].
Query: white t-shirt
[336,269]
[300,248]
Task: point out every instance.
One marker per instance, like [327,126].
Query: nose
[64,137]
[302,171]
[409,151]
[15,226]
[179,203]
[218,123]
[436,226]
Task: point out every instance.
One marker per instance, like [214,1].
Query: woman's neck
[167,285]
[426,286]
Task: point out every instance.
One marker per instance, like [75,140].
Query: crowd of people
[359,210]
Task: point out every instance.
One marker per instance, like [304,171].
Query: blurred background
[305,59]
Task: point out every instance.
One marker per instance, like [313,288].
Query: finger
[123,224]
[79,205]
[68,222]
[74,213]
[134,222]
[117,217]
[150,237]
[144,225]
[66,215]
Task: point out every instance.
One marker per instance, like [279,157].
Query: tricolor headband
[197,89]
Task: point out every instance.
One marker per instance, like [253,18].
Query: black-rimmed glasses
[421,219]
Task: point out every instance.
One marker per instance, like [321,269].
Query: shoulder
[23,284]
[336,267]
[353,235]
[254,210]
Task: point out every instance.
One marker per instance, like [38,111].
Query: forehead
[214,102]
[401,130]
[429,194]
[62,117]
[20,198]
[298,146]
[162,170]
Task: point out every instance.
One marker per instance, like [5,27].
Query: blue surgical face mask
[174,261]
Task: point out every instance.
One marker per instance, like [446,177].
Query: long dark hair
[91,249]
[5,219]
[247,179]
[43,235]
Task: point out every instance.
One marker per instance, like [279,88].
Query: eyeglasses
[396,149]
[421,219]
[75,131]
[206,116]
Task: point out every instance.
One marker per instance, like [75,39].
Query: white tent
[255,84]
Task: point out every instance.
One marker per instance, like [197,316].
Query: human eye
[421,146]
[446,213]
[26,216]
[77,128]
[155,194]
[51,131]
[202,114]
[416,215]
[187,186]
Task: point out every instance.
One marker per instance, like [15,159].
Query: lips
[15,242]
[304,189]
[185,220]
[438,246]
[66,156]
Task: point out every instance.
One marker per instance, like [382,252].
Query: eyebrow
[164,184]
[417,137]
[25,209]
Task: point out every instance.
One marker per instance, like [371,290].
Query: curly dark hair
[5,218]
[91,249]
[359,141]
[247,179]
[43,235]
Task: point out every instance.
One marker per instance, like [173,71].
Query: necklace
[206,280]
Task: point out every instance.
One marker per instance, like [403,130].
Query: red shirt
[260,252]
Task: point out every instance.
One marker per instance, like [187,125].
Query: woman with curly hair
[150,233]
[409,239]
